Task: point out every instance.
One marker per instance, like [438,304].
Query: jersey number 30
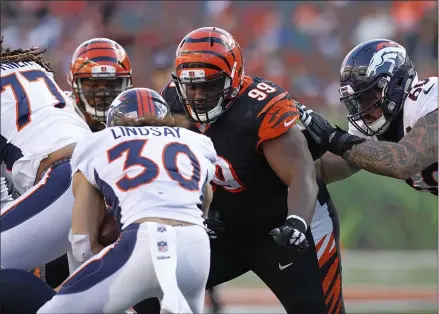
[151,170]
[22,101]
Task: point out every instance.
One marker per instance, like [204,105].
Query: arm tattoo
[415,152]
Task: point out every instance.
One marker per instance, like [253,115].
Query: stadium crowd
[298,44]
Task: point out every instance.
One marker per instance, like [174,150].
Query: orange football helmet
[209,72]
[99,71]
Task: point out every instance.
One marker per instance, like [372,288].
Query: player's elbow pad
[81,248]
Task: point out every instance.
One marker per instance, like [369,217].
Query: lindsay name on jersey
[119,132]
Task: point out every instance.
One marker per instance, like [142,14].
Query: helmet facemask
[216,94]
[97,91]
[362,106]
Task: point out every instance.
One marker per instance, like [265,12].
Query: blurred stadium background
[389,231]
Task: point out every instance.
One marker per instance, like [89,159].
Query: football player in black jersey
[393,121]
[265,178]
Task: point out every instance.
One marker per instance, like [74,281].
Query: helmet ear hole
[382,83]
[391,107]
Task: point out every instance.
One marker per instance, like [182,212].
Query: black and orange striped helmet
[137,103]
[209,73]
[99,71]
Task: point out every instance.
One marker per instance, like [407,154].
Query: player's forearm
[88,208]
[86,219]
[415,152]
[385,158]
[332,168]
[208,195]
[302,193]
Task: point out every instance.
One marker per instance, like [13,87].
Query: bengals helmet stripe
[211,40]
[94,42]
[213,53]
[96,48]
[103,58]
[208,43]
[192,65]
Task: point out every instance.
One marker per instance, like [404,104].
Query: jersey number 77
[23,103]
[151,170]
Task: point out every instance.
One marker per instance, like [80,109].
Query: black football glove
[214,228]
[291,234]
[334,139]
[314,148]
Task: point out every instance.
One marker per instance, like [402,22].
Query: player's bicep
[207,198]
[289,157]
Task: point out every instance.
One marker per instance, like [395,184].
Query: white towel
[164,258]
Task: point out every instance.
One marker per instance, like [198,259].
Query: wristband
[300,219]
[81,248]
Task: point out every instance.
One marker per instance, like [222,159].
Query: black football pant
[57,271]
[309,285]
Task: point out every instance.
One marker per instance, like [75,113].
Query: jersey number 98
[151,170]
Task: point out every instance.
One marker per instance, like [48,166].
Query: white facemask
[375,126]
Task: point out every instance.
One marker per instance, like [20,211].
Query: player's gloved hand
[314,148]
[292,233]
[214,228]
[334,139]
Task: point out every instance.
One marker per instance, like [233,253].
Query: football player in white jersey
[393,121]
[38,135]
[100,69]
[156,173]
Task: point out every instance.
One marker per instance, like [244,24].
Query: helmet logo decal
[189,75]
[103,71]
[385,57]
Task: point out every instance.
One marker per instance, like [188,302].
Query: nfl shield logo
[191,73]
[162,246]
[104,69]
[161,228]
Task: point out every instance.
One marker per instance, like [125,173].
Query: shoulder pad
[422,99]
[272,110]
